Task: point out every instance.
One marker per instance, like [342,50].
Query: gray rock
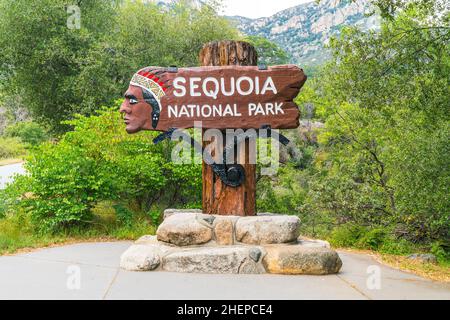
[267,229]
[255,254]
[314,243]
[140,258]
[162,248]
[170,212]
[250,267]
[218,260]
[297,259]
[147,240]
[224,229]
[184,230]
[209,219]
[424,258]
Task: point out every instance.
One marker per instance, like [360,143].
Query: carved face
[137,112]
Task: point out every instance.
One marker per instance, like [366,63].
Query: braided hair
[153,83]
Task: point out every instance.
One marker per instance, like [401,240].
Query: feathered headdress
[151,80]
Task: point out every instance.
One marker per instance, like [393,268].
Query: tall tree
[58,70]
[269,53]
[385,150]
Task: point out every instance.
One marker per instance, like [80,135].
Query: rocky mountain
[169,3]
[304,30]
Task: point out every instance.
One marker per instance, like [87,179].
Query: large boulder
[221,260]
[170,212]
[270,229]
[423,258]
[140,258]
[186,229]
[313,243]
[298,259]
[224,229]
[147,240]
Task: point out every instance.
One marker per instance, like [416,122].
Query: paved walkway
[91,271]
[8,171]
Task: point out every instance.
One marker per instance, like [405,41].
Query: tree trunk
[218,198]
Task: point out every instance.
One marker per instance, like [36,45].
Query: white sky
[258,8]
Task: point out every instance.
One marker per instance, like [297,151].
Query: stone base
[191,242]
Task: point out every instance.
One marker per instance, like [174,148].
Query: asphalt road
[7,173]
[91,271]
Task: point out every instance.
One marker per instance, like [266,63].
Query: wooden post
[218,198]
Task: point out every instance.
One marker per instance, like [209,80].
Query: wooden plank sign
[228,97]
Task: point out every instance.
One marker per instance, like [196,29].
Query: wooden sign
[229,97]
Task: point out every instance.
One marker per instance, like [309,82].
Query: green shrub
[155,215]
[347,235]
[17,230]
[383,152]
[99,161]
[11,148]
[396,246]
[372,239]
[11,198]
[3,205]
[30,133]
[441,251]
[14,231]
[123,214]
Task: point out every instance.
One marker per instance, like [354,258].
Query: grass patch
[392,251]
[18,234]
[436,272]
[15,233]
[11,148]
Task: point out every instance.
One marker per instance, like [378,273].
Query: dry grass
[5,162]
[435,272]
[58,243]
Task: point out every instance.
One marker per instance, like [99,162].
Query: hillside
[304,30]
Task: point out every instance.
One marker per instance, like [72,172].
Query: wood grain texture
[228,53]
[217,197]
[288,80]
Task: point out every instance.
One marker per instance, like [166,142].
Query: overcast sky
[258,8]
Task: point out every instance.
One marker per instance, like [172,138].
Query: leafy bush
[17,230]
[30,133]
[12,196]
[373,239]
[441,250]
[14,231]
[378,239]
[383,156]
[100,161]
[11,148]
[347,235]
[123,214]
[396,246]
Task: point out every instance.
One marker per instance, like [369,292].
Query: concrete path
[91,271]
[8,171]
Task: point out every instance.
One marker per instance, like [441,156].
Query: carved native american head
[142,105]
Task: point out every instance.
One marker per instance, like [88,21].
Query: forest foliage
[382,159]
[58,71]
[373,173]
